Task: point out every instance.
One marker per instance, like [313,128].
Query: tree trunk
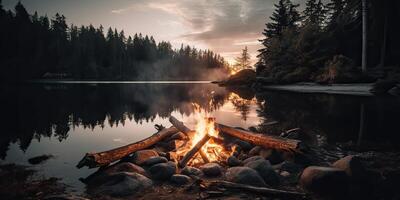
[364,35]
[361,129]
[93,160]
[384,42]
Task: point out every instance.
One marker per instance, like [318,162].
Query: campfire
[209,147]
[207,143]
[202,145]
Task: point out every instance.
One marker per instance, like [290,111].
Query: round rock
[141,156]
[264,168]
[244,175]
[244,145]
[124,184]
[351,165]
[253,158]
[290,167]
[162,171]
[103,176]
[233,161]
[191,171]
[125,167]
[272,155]
[324,181]
[211,169]
[180,179]
[255,151]
[155,160]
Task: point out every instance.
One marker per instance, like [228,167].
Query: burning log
[93,160]
[184,129]
[260,190]
[179,125]
[260,139]
[204,156]
[189,155]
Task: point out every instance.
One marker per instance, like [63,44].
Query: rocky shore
[251,172]
[248,78]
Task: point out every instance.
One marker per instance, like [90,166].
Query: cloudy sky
[224,26]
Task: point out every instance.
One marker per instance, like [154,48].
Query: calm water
[69,119]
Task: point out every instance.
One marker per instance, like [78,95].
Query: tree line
[34,47]
[324,42]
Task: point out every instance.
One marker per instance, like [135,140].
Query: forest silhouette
[36,47]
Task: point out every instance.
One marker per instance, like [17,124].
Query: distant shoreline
[113,82]
[357,89]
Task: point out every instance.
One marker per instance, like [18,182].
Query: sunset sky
[224,26]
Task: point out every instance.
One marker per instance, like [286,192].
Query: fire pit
[203,145]
[173,152]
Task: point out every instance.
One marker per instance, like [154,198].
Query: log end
[87,160]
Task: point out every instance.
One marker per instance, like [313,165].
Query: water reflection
[53,110]
[68,120]
[369,121]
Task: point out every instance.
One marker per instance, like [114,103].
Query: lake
[71,118]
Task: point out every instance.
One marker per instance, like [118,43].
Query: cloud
[225,26]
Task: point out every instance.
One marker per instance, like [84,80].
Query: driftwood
[189,155]
[260,139]
[93,160]
[260,190]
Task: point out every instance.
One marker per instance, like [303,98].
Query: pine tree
[335,9]
[20,13]
[285,17]
[243,61]
[314,13]
[279,20]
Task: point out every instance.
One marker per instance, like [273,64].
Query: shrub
[340,69]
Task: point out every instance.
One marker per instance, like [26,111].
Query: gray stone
[154,160]
[233,161]
[124,184]
[324,181]
[244,175]
[125,167]
[191,171]
[351,165]
[211,169]
[290,167]
[264,168]
[180,179]
[162,171]
[272,155]
[255,151]
[244,145]
[141,156]
[253,158]
[103,176]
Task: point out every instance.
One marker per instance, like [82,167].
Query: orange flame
[212,150]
